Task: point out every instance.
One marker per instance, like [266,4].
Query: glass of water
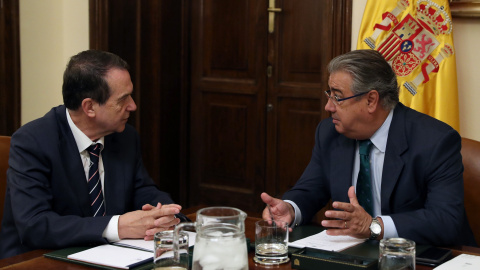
[164,256]
[271,242]
[397,253]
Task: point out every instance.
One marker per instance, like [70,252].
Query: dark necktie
[364,180]
[94,184]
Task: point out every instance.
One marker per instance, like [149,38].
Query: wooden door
[228,102]
[9,67]
[257,96]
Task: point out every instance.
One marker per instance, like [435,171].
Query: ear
[88,107]
[373,101]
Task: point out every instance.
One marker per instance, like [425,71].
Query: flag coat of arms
[415,37]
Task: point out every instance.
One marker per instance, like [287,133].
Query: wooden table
[35,260]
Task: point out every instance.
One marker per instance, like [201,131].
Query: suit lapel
[71,161]
[393,164]
[342,156]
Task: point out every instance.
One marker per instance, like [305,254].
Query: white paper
[113,256]
[149,245]
[327,242]
[462,261]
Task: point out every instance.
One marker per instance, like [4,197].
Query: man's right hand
[135,224]
[279,209]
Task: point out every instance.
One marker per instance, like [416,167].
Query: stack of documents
[326,242]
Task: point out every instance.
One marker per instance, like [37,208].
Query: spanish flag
[415,37]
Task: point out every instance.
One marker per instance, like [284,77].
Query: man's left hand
[353,220]
[163,223]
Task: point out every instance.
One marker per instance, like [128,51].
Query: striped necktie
[94,184]
[364,180]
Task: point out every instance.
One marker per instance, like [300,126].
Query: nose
[131,106]
[330,107]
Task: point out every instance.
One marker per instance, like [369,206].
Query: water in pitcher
[220,247]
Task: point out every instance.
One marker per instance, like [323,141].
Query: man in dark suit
[415,173]
[47,204]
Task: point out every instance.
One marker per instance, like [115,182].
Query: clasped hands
[148,221]
[348,218]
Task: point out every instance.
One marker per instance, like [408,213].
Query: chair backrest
[471,181]
[4,150]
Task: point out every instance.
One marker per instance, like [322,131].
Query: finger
[276,207]
[343,206]
[151,232]
[267,198]
[172,206]
[352,196]
[166,221]
[147,207]
[266,214]
[344,215]
[165,211]
[341,224]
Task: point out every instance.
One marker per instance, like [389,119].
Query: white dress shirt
[83,142]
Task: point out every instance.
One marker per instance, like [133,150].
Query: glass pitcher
[220,242]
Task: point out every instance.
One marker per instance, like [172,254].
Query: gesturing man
[389,170]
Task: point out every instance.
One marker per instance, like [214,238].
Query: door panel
[300,52]
[295,139]
[228,102]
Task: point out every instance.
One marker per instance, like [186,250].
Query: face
[113,115]
[349,116]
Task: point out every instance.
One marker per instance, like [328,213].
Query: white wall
[53,30]
[50,32]
[466,37]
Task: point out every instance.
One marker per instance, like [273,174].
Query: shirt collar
[379,138]
[82,140]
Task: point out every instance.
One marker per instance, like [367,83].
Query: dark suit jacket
[47,203]
[422,180]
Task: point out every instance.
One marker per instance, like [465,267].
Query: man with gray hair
[389,170]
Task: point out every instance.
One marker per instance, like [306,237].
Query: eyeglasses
[337,101]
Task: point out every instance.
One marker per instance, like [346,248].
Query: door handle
[271,15]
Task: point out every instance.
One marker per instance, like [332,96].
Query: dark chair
[4,150]
[471,181]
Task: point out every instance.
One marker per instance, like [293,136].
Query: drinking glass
[164,255]
[271,242]
[396,254]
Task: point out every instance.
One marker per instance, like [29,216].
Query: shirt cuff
[111,231]
[298,214]
[389,229]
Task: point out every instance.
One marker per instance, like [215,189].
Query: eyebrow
[124,96]
[336,90]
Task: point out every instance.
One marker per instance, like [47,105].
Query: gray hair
[369,71]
